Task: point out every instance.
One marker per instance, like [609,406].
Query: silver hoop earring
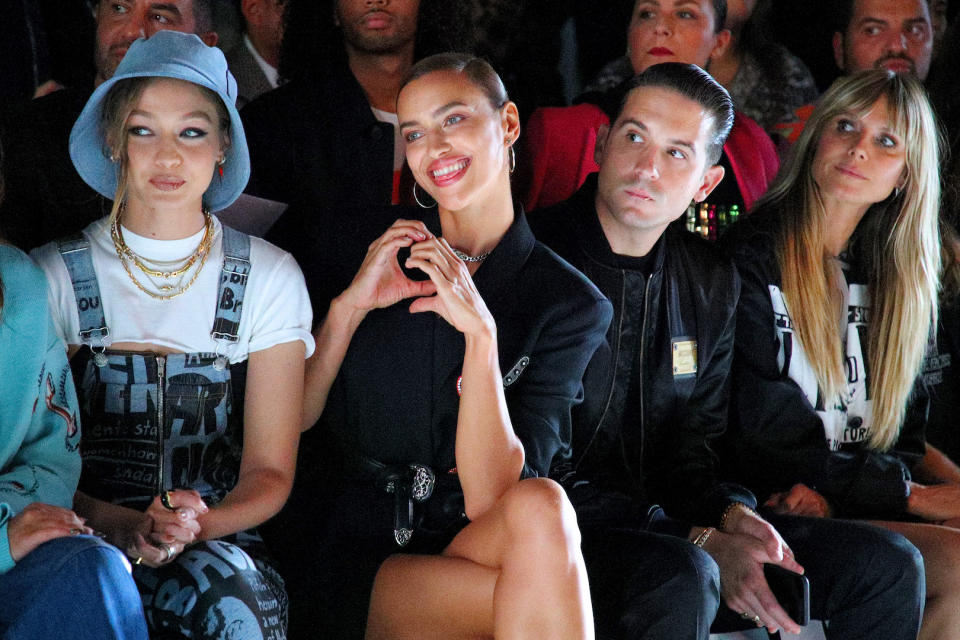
[513,159]
[417,198]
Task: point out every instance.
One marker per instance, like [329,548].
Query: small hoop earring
[896,192]
[513,159]
[417,198]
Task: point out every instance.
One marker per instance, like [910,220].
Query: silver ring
[169,549]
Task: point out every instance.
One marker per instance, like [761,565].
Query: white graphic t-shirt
[846,420]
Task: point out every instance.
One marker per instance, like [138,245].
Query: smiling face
[173,143]
[377,27]
[673,31]
[859,159]
[456,141]
[886,34]
[653,162]
[120,22]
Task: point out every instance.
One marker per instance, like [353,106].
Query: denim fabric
[145,431]
[77,587]
[650,586]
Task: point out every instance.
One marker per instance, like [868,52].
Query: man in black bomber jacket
[656,396]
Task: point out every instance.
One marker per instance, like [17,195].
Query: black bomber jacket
[678,324]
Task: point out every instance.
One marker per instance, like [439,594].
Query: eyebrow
[203,115]
[166,6]
[872,20]
[677,142]
[680,3]
[436,112]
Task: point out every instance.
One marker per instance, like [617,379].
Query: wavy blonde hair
[898,239]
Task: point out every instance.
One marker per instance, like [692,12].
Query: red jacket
[559,154]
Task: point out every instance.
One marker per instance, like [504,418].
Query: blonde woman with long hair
[840,272]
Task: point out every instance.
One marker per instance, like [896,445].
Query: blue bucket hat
[167,54]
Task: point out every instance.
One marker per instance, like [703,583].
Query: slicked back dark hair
[477,70]
[691,82]
[312,41]
[720,10]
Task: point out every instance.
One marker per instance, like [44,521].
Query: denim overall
[153,423]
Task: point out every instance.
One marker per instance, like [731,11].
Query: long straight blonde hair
[897,238]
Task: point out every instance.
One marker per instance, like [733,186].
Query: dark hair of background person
[477,70]
[203,15]
[694,83]
[720,14]
[311,40]
[758,38]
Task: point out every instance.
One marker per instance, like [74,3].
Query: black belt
[408,484]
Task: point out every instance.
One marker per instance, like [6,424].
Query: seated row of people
[441,416]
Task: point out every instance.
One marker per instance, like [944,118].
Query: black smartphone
[792,591]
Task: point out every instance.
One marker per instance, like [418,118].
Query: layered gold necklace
[167,289]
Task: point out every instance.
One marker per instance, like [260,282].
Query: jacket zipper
[643,343]
[161,385]
[616,363]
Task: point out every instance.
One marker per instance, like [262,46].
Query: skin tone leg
[940,547]
[512,573]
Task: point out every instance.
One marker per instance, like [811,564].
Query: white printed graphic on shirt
[845,419]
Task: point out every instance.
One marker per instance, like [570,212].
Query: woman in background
[840,269]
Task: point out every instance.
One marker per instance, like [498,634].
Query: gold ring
[138,560]
[165,501]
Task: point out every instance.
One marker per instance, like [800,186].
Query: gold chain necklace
[203,250]
[117,235]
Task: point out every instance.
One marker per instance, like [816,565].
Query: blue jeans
[77,587]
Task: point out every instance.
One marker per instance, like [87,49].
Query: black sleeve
[540,399]
[776,434]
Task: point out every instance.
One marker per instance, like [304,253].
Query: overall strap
[75,251]
[233,284]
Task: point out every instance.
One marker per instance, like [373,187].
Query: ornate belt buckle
[421,486]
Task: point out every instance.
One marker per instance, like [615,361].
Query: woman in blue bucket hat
[189,340]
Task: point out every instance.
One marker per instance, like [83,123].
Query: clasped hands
[747,542]
[169,525]
[450,291]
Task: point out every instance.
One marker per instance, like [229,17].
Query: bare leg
[515,572]
[940,547]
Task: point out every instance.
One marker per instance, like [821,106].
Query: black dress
[396,401]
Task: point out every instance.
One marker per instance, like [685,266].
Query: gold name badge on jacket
[684,357]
